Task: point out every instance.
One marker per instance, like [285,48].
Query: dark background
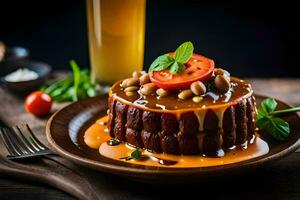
[249,38]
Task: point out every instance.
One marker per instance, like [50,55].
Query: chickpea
[222,83]
[219,71]
[185,94]
[148,88]
[131,89]
[162,92]
[198,88]
[124,83]
[130,94]
[137,74]
[197,99]
[144,79]
[132,82]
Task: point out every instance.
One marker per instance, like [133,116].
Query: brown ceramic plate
[65,134]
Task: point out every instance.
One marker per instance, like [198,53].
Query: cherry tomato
[38,103]
[197,68]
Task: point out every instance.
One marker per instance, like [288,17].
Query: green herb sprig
[267,120]
[175,64]
[114,142]
[72,88]
[136,155]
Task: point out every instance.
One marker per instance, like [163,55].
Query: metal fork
[21,143]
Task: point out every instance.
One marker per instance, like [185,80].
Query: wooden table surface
[280,180]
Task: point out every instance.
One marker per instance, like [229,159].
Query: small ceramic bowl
[24,87]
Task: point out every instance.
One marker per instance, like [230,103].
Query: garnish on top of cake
[182,73]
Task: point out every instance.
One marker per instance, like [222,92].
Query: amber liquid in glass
[116,30]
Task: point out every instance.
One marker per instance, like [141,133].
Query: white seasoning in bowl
[22,74]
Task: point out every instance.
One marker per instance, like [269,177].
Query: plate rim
[116,169]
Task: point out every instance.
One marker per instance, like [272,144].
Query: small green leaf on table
[278,128]
[73,88]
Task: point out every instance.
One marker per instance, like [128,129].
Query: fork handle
[31,156]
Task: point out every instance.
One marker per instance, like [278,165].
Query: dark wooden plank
[287,90]
[12,189]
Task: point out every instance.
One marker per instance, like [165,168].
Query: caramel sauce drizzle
[171,104]
[96,137]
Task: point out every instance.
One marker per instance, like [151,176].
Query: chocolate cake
[185,121]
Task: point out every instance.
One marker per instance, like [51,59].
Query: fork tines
[21,142]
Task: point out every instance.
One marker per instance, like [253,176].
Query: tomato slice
[197,68]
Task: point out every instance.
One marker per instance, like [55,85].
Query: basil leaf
[57,84]
[72,88]
[81,93]
[155,63]
[184,52]
[261,113]
[177,68]
[268,105]
[66,96]
[136,154]
[161,63]
[176,63]
[76,77]
[278,128]
[59,91]
[262,123]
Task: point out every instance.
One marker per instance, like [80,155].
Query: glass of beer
[116,32]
